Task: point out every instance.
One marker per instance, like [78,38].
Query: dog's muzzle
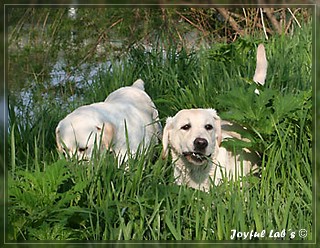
[196,157]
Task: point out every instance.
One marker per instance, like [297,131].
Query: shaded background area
[38,37]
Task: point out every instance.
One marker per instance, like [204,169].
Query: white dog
[126,119]
[194,137]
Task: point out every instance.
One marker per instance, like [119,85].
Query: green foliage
[241,49]
[38,199]
[265,114]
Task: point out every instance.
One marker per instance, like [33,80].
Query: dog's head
[78,137]
[193,134]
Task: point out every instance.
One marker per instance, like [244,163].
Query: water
[85,73]
[27,99]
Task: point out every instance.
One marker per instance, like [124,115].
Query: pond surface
[80,75]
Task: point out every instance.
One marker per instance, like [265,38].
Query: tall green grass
[51,198]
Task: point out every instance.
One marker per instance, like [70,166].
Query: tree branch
[232,22]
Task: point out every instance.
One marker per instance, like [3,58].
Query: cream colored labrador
[194,137]
[126,119]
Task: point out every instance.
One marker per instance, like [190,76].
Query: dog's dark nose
[200,143]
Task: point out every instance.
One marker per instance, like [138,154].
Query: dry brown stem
[225,13]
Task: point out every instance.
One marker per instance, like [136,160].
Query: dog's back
[131,94]
[237,162]
[136,98]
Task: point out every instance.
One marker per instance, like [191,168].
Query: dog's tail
[261,66]
[138,84]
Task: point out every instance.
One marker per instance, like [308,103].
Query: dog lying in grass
[127,119]
[195,135]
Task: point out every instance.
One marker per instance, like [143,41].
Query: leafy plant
[38,198]
[264,113]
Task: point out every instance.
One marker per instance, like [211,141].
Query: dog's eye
[186,127]
[82,149]
[208,127]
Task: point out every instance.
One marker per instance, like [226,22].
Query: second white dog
[127,119]
[194,137]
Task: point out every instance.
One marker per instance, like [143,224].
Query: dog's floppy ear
[217,126]
[108,131]
[166,136]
